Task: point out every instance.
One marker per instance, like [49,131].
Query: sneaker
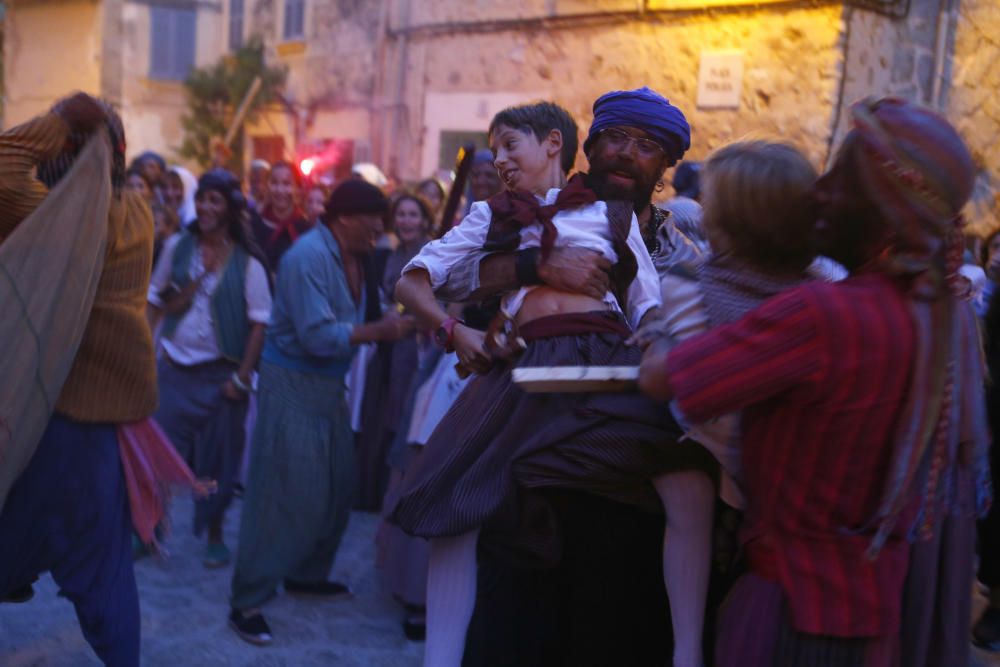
[986,631]
[19,595]
[253,629]
[216,555]
[324,589]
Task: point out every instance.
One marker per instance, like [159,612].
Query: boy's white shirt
[584,227]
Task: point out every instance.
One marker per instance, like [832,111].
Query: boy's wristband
[526,266]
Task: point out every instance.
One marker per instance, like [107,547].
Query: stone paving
[184,608]
[184,615]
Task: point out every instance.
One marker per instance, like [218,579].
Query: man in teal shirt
[302,467]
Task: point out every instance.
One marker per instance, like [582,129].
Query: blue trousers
[68,514]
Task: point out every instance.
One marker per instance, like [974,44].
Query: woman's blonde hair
[758,204]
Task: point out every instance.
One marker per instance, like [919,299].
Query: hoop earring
[660,185]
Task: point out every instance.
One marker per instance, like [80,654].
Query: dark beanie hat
[355,196]
[224,182]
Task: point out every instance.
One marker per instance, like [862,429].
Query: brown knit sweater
[113,378]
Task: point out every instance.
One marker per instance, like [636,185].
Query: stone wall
[50,49]
[152,109]
[791,68]
[889,56]
[331,72]
[974,104]
[902,57]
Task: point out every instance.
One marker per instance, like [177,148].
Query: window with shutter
[235,24]
[295,19]
[172,42]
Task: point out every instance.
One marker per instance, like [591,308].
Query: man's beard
[639,191]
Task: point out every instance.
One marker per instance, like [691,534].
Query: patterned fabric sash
[942,440]
[152,469]
[575,324]
[514,210]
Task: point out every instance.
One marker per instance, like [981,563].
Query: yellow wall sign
[720,80]
[291,48]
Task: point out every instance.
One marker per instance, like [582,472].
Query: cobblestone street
[184,615]
[184,608]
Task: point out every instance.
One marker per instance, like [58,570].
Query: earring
[660,185]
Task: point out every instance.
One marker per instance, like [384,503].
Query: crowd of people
[786,470]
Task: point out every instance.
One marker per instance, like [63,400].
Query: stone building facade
[526,50]
[109,48]
[973,103]
[402,82]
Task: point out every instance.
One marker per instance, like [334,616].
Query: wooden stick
[241,112]
[463,165]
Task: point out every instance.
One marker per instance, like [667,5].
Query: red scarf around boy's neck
[522,208]
[283,225]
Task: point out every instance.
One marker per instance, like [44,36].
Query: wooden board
[565,379]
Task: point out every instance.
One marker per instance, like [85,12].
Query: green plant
[215,92]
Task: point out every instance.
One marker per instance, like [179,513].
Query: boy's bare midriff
[545,301]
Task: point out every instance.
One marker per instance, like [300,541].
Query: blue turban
[647,110]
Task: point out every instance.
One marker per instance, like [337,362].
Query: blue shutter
[173,36]
[295,19]
[159,43]
[235,24]
[186,39]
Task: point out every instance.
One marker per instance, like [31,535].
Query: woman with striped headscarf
[863,435]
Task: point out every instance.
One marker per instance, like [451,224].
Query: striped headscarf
[52,171]
[916,170]
[919,173]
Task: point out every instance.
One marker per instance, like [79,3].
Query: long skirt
[401,558]
[937,597]
[498,443]
[207,429]
[300,487]
[386,386]
[989,527]
[755,630]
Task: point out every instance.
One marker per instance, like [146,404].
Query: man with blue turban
[605,602]
[636,135]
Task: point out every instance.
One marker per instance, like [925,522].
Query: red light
[307,165]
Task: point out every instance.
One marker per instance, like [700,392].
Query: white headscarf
[186,213]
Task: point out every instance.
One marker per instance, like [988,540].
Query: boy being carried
[498,443]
